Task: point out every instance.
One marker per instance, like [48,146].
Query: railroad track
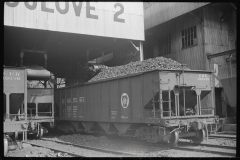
[207,148]
[56,150]
[86,147]
[222,136]
[206,145]
[225,152]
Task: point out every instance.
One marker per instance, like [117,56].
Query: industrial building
[201,35]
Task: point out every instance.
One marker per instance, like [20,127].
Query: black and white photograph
[120,79]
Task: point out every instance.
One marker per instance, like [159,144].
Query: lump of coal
[137,67]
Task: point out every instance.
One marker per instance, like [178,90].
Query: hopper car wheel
[174,138]
[40,132]
[51,124]
[16,135]
[199,137]
[5,145]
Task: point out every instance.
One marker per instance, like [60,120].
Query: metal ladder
[169,102]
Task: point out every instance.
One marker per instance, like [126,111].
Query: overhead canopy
[66,31]
[64,50]
[109,19]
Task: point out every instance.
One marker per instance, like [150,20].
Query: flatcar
[158,105]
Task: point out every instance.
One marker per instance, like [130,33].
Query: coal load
[136,67]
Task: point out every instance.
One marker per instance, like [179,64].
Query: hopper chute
[39,73]
[229,86]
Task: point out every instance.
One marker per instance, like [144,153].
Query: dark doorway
[218,102]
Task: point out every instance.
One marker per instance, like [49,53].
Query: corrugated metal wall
[192,56]
[213,36]
[219,36]
[160,12]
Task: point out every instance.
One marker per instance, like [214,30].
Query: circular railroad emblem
[124,100]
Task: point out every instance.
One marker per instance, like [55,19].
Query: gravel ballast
[151,150]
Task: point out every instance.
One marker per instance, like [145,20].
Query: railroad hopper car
[159,105]
[25,109]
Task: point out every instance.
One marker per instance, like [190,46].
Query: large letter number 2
[118,13]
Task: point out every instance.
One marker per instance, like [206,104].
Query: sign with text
[14,80]
[109,19]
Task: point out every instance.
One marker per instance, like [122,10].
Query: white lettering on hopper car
[11,78]
[203,79]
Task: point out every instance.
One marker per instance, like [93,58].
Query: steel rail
[189,148]
[91,148]
[186,146]
[56,150]
[207,145]
[180,142]
[223,136]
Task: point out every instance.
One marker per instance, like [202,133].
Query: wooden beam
[196,17]
[230,59]
[221,54]
[233,6]
[34,51]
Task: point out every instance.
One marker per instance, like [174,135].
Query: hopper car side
[159,105]
[25,108]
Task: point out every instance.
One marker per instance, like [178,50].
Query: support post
[102,58]
[198,93]
[154,109]
[141,51]
[7,105]
[87,57]
[36,109]
[45,84]
[160,102]
[169,102]
[176,93]
[25,95]
[45,58]
[52,110]
[25,135]
[55,84]
[21,58]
